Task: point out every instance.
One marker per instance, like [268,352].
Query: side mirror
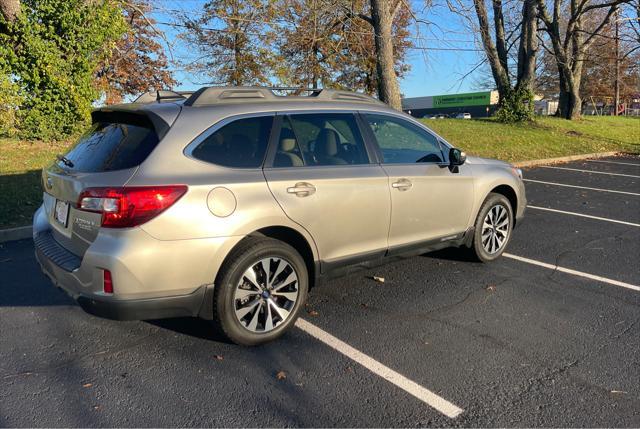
[456,157]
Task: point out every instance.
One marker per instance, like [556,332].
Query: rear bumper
[146,309]
[190,305]
[152,278]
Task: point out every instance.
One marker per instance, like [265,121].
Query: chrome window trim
[188,150]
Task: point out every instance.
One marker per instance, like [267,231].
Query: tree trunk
[574,110]
[570,101]
[9,9]
[382,20]
[528,46]
[495,58]
[563,97]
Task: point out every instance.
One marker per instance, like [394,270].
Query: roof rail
[162,95]
[224,94]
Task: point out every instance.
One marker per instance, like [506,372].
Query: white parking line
[613,162]
[585,215]
[574,272]
[589,171]
[582,187]
[428,397]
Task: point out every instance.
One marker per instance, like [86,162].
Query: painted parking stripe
[582,187]
[614,162]
[584,215]
[425,395]
[589,171]
[573,272]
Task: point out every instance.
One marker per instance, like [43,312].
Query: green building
[478,104]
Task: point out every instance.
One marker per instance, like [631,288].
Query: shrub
[516,106]
[51,50]
[10,100]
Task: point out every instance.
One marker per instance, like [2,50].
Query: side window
[402,142]
[320,139]
[239,144]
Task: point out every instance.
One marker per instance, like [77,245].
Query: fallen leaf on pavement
[378,279]
[313,313]
[491,288]
[218,357]
[86,385]
[281,375]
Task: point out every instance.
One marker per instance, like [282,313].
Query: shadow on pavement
[452,254]
[191,326]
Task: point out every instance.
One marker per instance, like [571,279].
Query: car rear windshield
[114,142]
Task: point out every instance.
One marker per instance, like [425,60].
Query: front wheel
[260,291]
[492,228]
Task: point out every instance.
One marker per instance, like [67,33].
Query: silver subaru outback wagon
[230,204]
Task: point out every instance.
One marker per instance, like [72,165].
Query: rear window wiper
[66,161]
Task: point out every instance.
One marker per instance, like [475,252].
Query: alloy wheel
[266,294]
[495,229]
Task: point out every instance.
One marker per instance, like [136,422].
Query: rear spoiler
[160,118]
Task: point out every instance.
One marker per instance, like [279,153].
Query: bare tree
[516,100]
[570,41]
[358,60]
[309,43]
[233,41]
[381,18]
[325,43]
[611,64]
[382,14]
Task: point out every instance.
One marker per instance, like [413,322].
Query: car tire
[486,245]
[243,286]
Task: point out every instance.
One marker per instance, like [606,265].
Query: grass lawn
[20,168]
[21,162]
[545,138]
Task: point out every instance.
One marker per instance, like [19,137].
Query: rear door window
[320,139]
[109,146]
[239,144]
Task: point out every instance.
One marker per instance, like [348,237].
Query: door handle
[302,189]
[402,184]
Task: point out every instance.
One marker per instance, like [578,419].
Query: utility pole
[616,84]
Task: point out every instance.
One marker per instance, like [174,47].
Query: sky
[444,51]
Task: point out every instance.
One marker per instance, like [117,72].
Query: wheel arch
[510,194]
[296,240]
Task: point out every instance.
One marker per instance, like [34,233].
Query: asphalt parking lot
[549,340]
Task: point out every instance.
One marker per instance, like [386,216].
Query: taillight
[129,206]
[107,283]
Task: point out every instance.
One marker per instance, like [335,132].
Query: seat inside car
[327,147]
[286,155]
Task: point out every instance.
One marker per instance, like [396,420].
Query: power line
[253,33]
[287,25]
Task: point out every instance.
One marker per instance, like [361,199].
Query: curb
[12,234]
[535,162]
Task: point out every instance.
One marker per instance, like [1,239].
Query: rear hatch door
[107,155]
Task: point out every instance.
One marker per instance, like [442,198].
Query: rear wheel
[492,228]
[260,291]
